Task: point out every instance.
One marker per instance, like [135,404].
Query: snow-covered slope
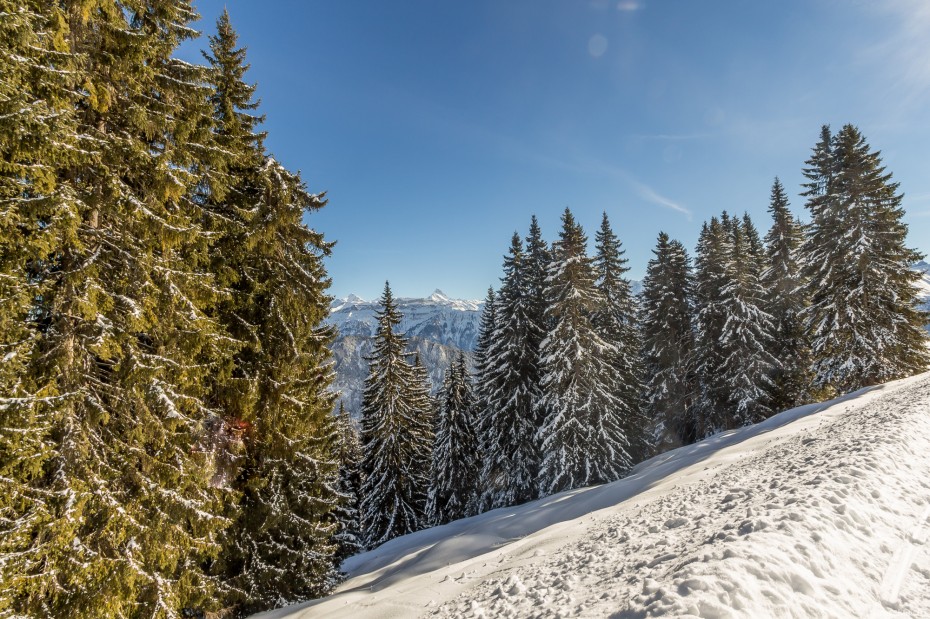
[821,511]
[438,328]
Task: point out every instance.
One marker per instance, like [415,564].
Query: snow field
[821,511]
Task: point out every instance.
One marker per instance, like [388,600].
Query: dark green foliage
[456,461]
[745,338]
[668,344]
[713,253]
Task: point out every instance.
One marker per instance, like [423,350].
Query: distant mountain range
[438,327]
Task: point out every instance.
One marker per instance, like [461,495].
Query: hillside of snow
[820,511]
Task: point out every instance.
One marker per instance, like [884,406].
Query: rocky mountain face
[437,328]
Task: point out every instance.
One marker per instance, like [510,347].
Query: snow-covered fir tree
[745,338]
[480,383]
[583,438]
[863,320]
[668,344]
[713,253]
[537,256]
[349,456]
[784,302]
[509,445]
[456,458]
[480,355]
[396,441]
[616,323]
[426,406]
[280,548]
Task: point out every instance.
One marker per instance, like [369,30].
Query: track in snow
[818,512]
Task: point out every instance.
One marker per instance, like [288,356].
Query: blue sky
[438,127]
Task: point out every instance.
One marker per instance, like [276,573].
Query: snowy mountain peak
[352,298]
[439,296]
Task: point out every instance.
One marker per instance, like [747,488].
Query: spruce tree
[583,437]
[426,407]
[668,344]
[537,257]
[456,463]
[510,449]
[38,137]
[863,320]
[616,323]
[481,381]
[480,355]
[349,456]
[713,255]
[394,437]
[785,302]
[280,548]
[745,338]
[126,347]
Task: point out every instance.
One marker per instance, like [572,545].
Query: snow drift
[820,511]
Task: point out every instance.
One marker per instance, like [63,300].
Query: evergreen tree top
[232,96]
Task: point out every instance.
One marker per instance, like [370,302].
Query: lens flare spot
[597,45]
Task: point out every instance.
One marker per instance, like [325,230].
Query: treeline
[167,443]
[574,379]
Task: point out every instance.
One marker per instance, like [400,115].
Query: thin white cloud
[905,53]
[628,5]
[651,195]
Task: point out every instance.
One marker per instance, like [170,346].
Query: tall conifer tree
[785,301]
[713,253]
[456,462]
[745,338]
[126,347]
[616,323]
[863,320]
[38,137]
[511,452]
[394,437]
[349,456]
[668,344]
[280,549]
[583,438]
